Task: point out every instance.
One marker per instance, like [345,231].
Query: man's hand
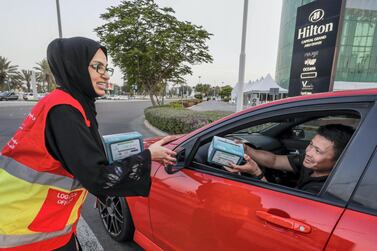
[162,154]
[250,167]
[247,148]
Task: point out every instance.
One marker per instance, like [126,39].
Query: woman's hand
[250,167]
[162,154]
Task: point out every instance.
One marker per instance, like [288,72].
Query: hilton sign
[314,30]
[316,37]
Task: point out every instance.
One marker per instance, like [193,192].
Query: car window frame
[354,204]
[192,145]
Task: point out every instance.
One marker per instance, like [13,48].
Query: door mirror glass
[181,154]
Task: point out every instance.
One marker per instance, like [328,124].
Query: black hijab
[69,59]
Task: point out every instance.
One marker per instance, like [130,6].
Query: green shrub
[180,120]
[175,104]
[191,102]
[198,96]
[183,103]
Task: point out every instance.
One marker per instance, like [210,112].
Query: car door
[357,228]
[200,209]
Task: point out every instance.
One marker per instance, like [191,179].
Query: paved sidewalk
[213,105]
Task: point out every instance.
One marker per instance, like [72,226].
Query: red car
[200,206]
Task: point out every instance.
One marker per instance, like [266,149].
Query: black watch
[260,176]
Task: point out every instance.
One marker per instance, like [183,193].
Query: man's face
[319,155]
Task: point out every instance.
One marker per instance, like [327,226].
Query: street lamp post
[59,22]
[241,72]
[199,77]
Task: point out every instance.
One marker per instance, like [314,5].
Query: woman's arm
[71,142]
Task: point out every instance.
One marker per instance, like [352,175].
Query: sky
[29,26]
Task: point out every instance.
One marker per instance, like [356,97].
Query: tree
[204,89]
[226,91]
[26,76]
[45,75]
[214,91]
[117,89]
[151,46]
[185,90]
[8,73]
[15,81]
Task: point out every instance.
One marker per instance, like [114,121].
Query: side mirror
[171,169]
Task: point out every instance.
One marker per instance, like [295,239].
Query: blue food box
[224,151]
[122,145]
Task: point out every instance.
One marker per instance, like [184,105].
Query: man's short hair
[338,134]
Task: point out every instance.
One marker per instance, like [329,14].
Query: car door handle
[284,222]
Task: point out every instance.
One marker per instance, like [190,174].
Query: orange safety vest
[40,201]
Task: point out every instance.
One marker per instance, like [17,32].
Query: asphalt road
[113,117]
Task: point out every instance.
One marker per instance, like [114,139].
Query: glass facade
[357,58]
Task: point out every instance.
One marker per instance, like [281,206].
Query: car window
[365,197]
[271,136]
[307,130]
[258,128]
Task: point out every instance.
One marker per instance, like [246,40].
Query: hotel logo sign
[316,15]
[314,46]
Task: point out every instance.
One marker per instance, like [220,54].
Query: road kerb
[154,129]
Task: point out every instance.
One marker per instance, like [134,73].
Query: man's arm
[268,159]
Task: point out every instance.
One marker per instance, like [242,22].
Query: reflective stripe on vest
[8,241]
[27,174]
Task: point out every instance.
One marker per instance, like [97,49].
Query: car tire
[116,218]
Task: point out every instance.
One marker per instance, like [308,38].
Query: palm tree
[7,71]
[26,76]
[45,75]
[15,81]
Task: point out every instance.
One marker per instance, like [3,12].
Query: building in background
[357,58]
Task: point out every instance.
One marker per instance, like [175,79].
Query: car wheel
[116,218]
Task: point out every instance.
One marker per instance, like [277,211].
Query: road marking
[86,237]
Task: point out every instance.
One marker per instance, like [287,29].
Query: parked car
[102,97]
[30,96]
[8,95]
[196,205]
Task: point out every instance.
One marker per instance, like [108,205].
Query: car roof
[324,95]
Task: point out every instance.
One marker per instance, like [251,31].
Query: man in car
[313,167]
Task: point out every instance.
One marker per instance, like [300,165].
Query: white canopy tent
[264,85]
[259,90]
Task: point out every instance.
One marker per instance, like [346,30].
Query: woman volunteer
[57,156]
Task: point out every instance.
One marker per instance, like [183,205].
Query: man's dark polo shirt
[305,182]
